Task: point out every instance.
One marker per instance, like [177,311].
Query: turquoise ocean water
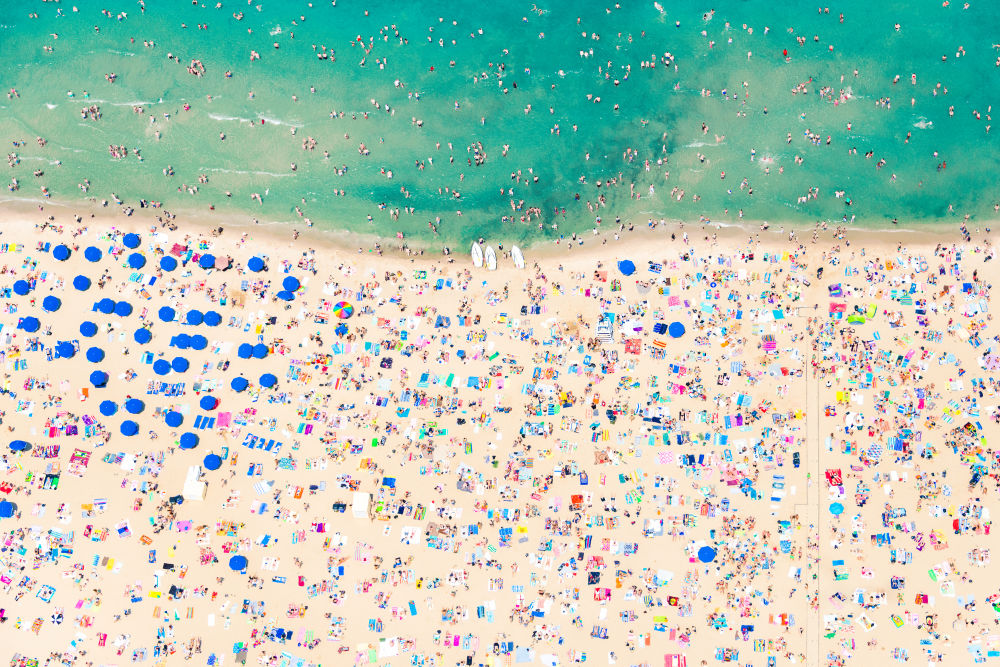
[421,61]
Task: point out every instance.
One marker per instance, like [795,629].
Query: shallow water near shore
[553,57]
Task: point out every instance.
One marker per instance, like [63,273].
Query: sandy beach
[642,452]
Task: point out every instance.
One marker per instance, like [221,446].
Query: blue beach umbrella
[21,287]
[6,509]
[51,304]
[19,445]
[239,384]
[88,329]
[676,329]
[131,240]
[238,563]
[108,408]
[199,342]
[61,252]
[134,406]
[161,366]
[93,254]
[212,462]
[260,351]
[206,261]
[180,364]
[627,267]
[66,350]
[836,509]
[268,380]
[136,260]
[106,306]
[168,263]
[142,336]
[212,318]
[95,355]
[81,283]
[255,264]
[285,295]
[290,283]
[167,314]
[30,324]
[99,379]
[129,428]
[123,309]
[189,441]
[706,554]
[244,351]
[174,419]
[182,341]
[208,402]
[194,317]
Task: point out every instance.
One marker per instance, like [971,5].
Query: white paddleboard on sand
[477,255]
[518,258]
[491,258]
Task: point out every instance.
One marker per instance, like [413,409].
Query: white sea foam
[244,172]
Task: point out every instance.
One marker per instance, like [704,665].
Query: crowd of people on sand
[672,446]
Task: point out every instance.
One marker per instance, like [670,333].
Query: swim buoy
[548,374]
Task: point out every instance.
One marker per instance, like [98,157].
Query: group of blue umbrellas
[258,351]
[108,306]
[289,285]
[193,317]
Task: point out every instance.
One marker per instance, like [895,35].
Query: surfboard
[491,258]
[518,258]
[477,255]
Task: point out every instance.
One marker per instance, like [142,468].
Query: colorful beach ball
[343,310]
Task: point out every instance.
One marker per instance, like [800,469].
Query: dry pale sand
[488,534]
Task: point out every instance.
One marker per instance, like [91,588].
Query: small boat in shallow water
[477,255]
[518,258]
[490,258]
